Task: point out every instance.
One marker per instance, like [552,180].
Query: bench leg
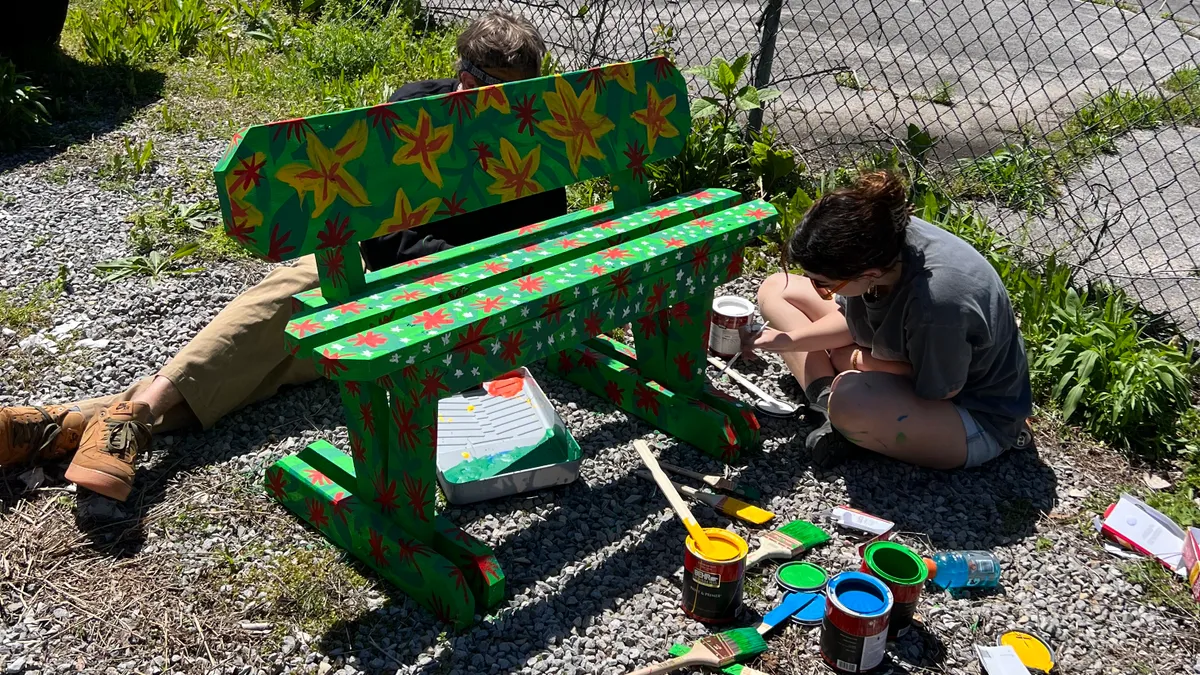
[414,465]
[610,370]
[318,486]
[378,504]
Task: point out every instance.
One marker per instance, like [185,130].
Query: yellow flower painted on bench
[325,174]
[424,145]
[405,217]
[575,122]
[514,173]
[623,74]
[492,97]
[654,116]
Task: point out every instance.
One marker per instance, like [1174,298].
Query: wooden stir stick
[677,503]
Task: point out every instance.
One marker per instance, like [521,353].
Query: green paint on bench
[399,339]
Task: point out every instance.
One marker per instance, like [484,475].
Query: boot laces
[41,434]
[124,437]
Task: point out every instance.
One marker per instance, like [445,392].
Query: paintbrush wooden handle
[677,503]
[689,491]
[696,475]
[671,666]
[761,554]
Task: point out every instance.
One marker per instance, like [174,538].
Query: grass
[1161,587]
[1043,544]
[27,308]
[310,588]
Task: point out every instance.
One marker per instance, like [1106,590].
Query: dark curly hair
[853,229]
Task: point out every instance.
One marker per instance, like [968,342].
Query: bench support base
[453,575]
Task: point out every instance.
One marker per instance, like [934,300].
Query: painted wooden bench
[400,339]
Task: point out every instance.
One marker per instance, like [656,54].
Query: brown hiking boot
[104,461]
[38,433]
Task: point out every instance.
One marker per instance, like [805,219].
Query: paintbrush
[738,355]
[787,542]
[677,503]
[714,482]
[715,651]
[734,508]
[735,669]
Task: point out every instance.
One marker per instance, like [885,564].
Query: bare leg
[162,395]
[789,302]
[881,412]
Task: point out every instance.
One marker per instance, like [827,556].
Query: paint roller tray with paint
[501,439]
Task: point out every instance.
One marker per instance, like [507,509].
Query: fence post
[766,54]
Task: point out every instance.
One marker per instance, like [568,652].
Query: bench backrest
[319,183]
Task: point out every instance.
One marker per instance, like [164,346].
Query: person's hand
[769,339]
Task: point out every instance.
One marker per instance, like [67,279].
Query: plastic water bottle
[963,569]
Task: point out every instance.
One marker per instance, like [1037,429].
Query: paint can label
[730,316]
[852,653]
[712,591]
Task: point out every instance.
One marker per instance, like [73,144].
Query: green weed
[849,79]
[588,193]
[1097,125]
[170,226]
[1043,544]
[28,307]
[22,106]
[1018,176]
[943,94]
[130,160]
[153,265]
[1161,587]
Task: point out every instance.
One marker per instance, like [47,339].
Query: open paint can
[801,577]
[904,572]
[730,316]
[854,630]
[712,580]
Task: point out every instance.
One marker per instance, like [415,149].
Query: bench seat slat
[432,376]
[485,269]
[618,272]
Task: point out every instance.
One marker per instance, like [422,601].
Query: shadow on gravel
[982,508]
[86,100]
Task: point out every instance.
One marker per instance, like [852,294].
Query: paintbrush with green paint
[714,651]
[787,542]
[735,669]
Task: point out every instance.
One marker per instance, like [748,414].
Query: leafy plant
[720,150]
[131,160]
[1019,176]
[943,94]
[153,265]
[22,105]
[1113,114]
[724,78]
[849,79]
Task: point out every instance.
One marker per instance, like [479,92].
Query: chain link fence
[1075,123]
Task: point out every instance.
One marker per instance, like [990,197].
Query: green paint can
[904,572]
[801,577]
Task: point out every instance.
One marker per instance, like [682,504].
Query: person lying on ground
[900,333]
[240,357]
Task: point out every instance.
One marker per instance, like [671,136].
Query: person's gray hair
[504,44]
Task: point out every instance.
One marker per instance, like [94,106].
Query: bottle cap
[931,566]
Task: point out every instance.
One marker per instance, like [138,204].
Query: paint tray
[501,439]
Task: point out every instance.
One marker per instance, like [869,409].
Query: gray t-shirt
[950,317]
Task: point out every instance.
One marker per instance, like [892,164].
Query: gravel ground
[200,573]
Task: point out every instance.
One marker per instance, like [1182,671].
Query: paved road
[1012,64]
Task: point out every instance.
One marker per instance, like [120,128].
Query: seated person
[240,357]
[900,333]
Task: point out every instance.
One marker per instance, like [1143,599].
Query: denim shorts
[981,446]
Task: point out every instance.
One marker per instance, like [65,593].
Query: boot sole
[98,482]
